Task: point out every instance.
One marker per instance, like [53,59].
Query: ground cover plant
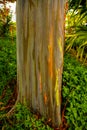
[74,93]
[23,119]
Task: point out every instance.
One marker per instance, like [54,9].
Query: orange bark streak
[50,48]
[45,98]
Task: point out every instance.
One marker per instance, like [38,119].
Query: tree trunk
[40,43]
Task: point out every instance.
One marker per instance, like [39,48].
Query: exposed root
[64,125]
[12,110]
[11,103]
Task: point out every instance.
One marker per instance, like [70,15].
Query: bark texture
[40,41]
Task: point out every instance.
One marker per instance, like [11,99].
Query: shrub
[7,61]
[75,91]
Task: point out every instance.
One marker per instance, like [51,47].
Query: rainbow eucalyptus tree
[40,43]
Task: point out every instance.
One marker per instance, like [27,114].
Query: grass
[74,93]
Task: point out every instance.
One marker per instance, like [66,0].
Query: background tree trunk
[40,41]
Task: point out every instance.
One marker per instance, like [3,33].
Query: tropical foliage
[75,93]
[76,29]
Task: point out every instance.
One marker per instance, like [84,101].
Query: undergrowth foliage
[7,61]
[75,93]
[23,119]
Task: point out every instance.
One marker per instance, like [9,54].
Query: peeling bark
[40,43]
